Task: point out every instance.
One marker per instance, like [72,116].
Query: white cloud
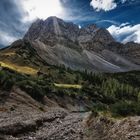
[6,38]
[125,32]
[41,9]
[108,21]
[79,26]
[105,5]
[124,24]
[123,1]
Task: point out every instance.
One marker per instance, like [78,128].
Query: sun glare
[42,8]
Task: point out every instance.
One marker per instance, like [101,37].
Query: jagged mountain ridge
[59,30]
[92,48]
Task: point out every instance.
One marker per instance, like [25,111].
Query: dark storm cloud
[11,26]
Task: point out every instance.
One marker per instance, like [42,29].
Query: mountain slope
[61,43]
[56,42]
[130,50]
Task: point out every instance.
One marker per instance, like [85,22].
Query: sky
[120,17]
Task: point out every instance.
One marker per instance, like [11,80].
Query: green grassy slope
[117,93]
[114,93]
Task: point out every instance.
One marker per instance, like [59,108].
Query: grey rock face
[103,128]
[130,51]
[55,28]
[51,30]
[63,43]
[22,119]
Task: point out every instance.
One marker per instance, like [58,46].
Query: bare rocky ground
[55,124]
[22,118]
[103,128]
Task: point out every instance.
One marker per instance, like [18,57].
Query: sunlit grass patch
[68,86]
[20,69]
[9,54]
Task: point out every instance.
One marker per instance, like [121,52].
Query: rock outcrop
[103,128]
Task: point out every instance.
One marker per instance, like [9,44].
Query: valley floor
[23,118]
[55,124]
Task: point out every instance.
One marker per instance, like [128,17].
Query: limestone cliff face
[55,29]
[62,43]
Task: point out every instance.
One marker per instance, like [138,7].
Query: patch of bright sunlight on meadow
[20,69]
[68,86]
[9,54]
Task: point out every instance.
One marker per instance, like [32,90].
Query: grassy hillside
[118,94]
[18,68]
[68,86]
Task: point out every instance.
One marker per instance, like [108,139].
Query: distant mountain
[90,48]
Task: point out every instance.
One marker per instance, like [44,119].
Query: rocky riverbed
[55,124]
[23,118]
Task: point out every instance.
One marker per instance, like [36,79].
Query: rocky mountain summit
[55,28]
[92,48]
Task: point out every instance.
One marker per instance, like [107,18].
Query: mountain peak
[53,18]
[54,29]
